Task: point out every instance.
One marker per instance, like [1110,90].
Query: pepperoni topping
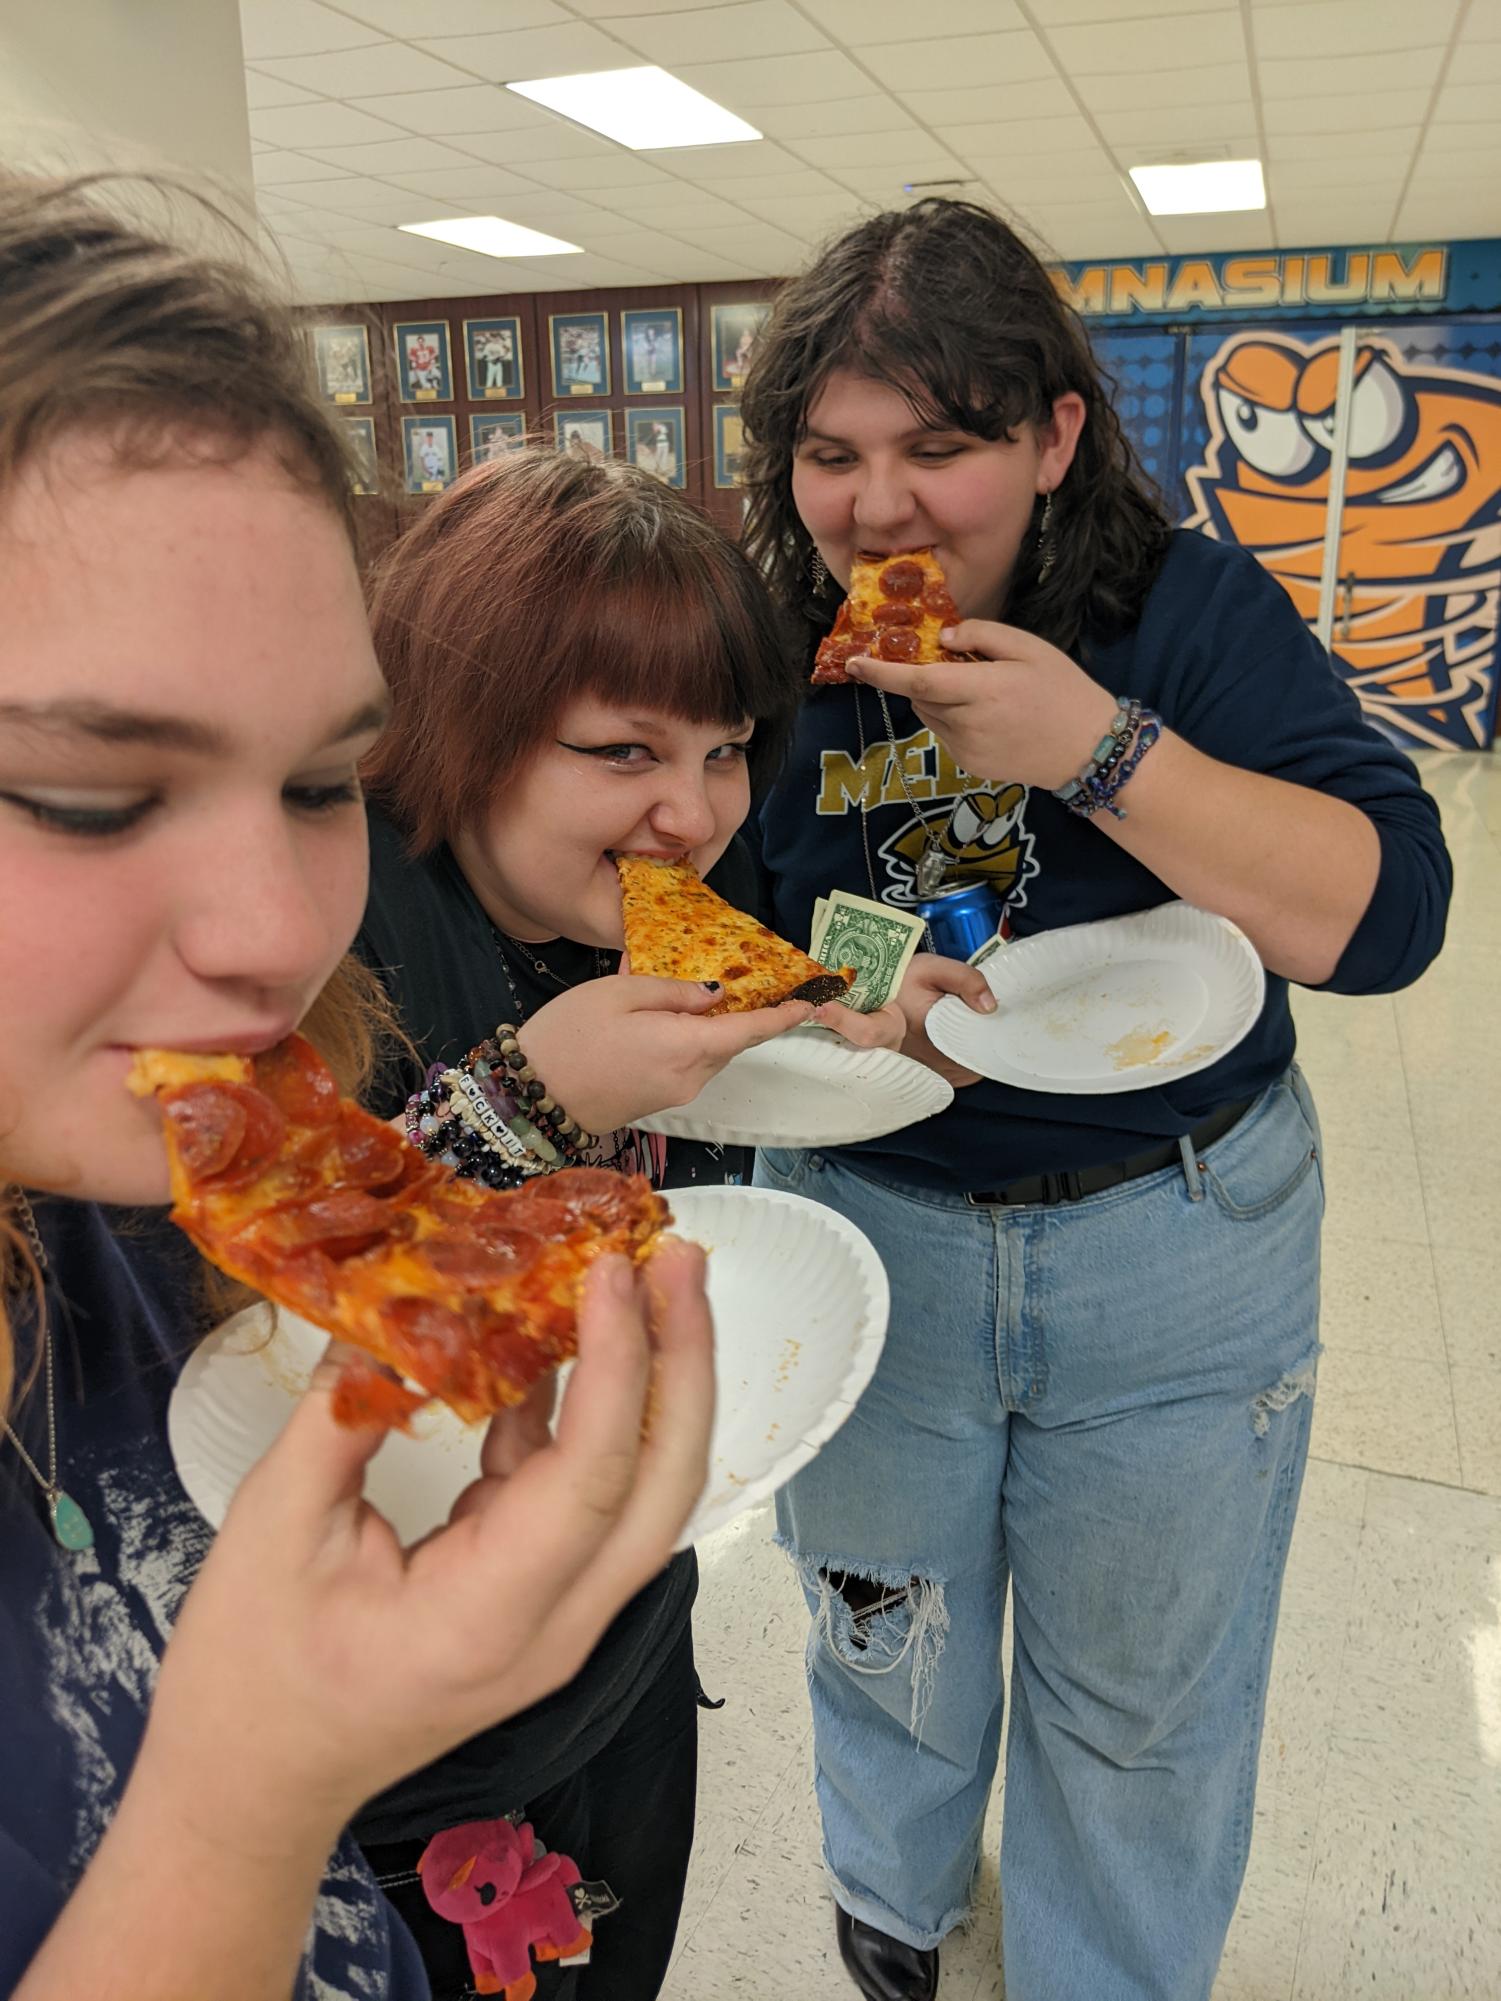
[298,1082]
[936,599]
[902,579]
[477,1262]
[341,1223]
[888,615]
[899,644]
[219,1126]
[363,1396]
[373,1155]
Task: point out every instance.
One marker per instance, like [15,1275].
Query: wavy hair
[946,303]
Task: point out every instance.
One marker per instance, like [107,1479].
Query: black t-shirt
[428,937]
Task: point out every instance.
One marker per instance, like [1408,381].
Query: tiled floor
[1377,1859]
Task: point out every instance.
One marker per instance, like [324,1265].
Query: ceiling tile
[1357,71]
[748,189]
[1202,129]
[1024,181]
[319,124]
[1052,14]
[1183,233]
[625,170]
[841,114]
[1336,28]
[466,185]
[1345,114]
[554,137]
[913,156]
[858,22]
[757,243]
[1338,218]
[454,17]
[687,266]
[533,52]
[689,209]
[1479,62]
[1383,176]
[1481,25]
[810,215]
[714,164]
[404,155]
[805,79]
[1158,42]
[1433,216]
[884,187]
[561,214]
[1008,138]
[387,66]
[1212,83]
[268,93]
[1329,145]
[270,169]
[712,34]
[1466,102]
[296,28]
[972,59]
[1039,98]
[475,107]
[607,11]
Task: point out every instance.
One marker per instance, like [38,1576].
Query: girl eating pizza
[581,665]
[1097,1383]
[186,690]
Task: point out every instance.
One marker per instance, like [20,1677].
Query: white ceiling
[1377,120]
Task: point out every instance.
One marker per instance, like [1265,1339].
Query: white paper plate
[800,1303]
[807,1088]
[1122,1005]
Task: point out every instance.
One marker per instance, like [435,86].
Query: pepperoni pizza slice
[467,1293]
[896,608]
[676,928]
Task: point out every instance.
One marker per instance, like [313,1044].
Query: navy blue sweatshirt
[1222,655]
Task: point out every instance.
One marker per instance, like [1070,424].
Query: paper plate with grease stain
[800,1304]
[1122,1005]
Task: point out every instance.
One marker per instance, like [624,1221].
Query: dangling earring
[1047,542]
[819,570]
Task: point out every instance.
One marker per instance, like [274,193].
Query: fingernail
[712,987]
[620,1277]
[987,1003]
[946,637]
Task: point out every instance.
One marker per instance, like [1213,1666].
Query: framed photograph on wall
[430,452]
[492,437]
[733,330]
[651,340]
[424,373]
[580,353]
[367,463]
[342,358]
[654,441]
[591,432]
[492,356]
[729,444]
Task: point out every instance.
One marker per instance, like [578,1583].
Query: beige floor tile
[1371,1175]
[1388,1414]
[1380,1297]
[1477,1411]
[1469,1297]
[1437,1515]
[1332,1493]
[1262,1948]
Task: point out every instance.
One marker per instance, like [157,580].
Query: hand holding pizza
[1022,711]
[323,1661]
[616,1049]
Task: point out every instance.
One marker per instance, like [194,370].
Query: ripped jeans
[1104,1405]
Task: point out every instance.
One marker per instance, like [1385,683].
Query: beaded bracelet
[1100,787]
[490,1118]
[1108,752]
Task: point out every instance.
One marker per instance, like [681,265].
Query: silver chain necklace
[505,941]
[931,863]
[70,1525]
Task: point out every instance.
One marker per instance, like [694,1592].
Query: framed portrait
[654,441]
[733,331]
[729,444]
[492,437]
[651,342]
[367,465]
[580,353]
[430,452]
[342,358]
[492,357]
[424,373]
[591,432]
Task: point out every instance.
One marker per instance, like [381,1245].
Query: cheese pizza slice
[676,928]
[896,608]
[468,1294]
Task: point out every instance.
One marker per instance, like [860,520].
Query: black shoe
[884,1969]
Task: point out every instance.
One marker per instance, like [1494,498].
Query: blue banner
[1348,281]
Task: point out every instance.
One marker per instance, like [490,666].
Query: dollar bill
[820,911]
[873,938]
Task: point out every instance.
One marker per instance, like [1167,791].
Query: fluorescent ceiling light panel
[1206,187]
[639,108]
[492,237]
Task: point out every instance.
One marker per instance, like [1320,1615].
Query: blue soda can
[961,920]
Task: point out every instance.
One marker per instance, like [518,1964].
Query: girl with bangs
[1097,1383]
[580,665]
[186,690]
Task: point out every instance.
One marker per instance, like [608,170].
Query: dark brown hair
[107,326]
[543,576]
[945,302]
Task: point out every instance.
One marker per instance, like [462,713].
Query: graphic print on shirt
[1415,629]
[981,828]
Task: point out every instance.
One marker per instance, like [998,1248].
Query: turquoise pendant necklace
[70,1525]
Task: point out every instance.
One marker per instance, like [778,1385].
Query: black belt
[1074,1183]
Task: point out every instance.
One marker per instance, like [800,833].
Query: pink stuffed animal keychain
[513,1904]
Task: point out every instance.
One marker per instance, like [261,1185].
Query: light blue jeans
[1105,1404]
